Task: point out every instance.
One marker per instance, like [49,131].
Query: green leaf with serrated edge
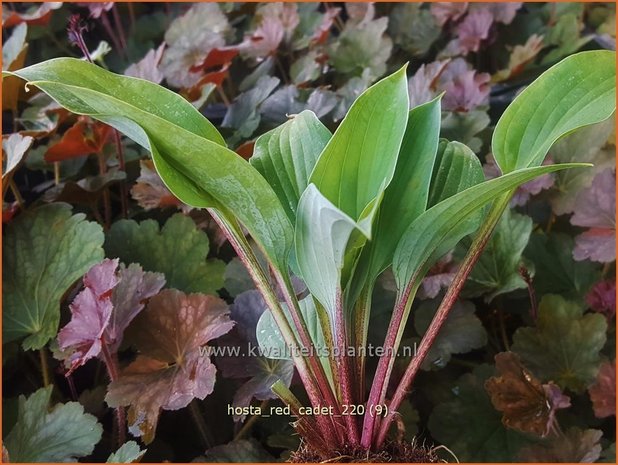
[236,278]
[578,91]
[497,270]
[272,343]
[555,270]
[565,345]
[45,250]
[179,250]
[187,149]
[430,235]
[287,155]
[591,144]
[61,434]
[359,160]
[321,238]
[361,46]
[470,426]
[461,333]
[129,452]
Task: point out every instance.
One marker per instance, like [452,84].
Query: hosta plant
[337,210]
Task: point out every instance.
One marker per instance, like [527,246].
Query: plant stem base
[393,452]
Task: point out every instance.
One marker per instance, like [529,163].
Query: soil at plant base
[394,452]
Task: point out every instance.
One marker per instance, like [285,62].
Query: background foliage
[75,200]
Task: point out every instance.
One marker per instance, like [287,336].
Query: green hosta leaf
[439,229]
[359,160]
[578,91]
[461,333]
[186,148]
[406,196]
[565,345]
[272,343]
[62,434]
[178,250]
[469,425]
[497,270]
[323,233]
[129,452]
[45,251]
[555,269]
[456,169]
[66,77]
[287,155]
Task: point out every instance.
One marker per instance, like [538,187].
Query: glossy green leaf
[432,234]
[287,155]
[321,238]
[61,434]
[359,160]
[578,91]
[187,150]
[178,249]
[45,250]
[406,196]
[456,169]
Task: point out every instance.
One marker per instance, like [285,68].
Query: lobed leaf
[178,250]
[45,251]
[62,434]
[101,313]
[555,270]
[461,333]
[565,345]
[469,425]
[497,270]
[171,370]
[129,452]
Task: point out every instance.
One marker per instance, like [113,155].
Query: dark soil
[394,452]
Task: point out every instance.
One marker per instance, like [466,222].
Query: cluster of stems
[333,432]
